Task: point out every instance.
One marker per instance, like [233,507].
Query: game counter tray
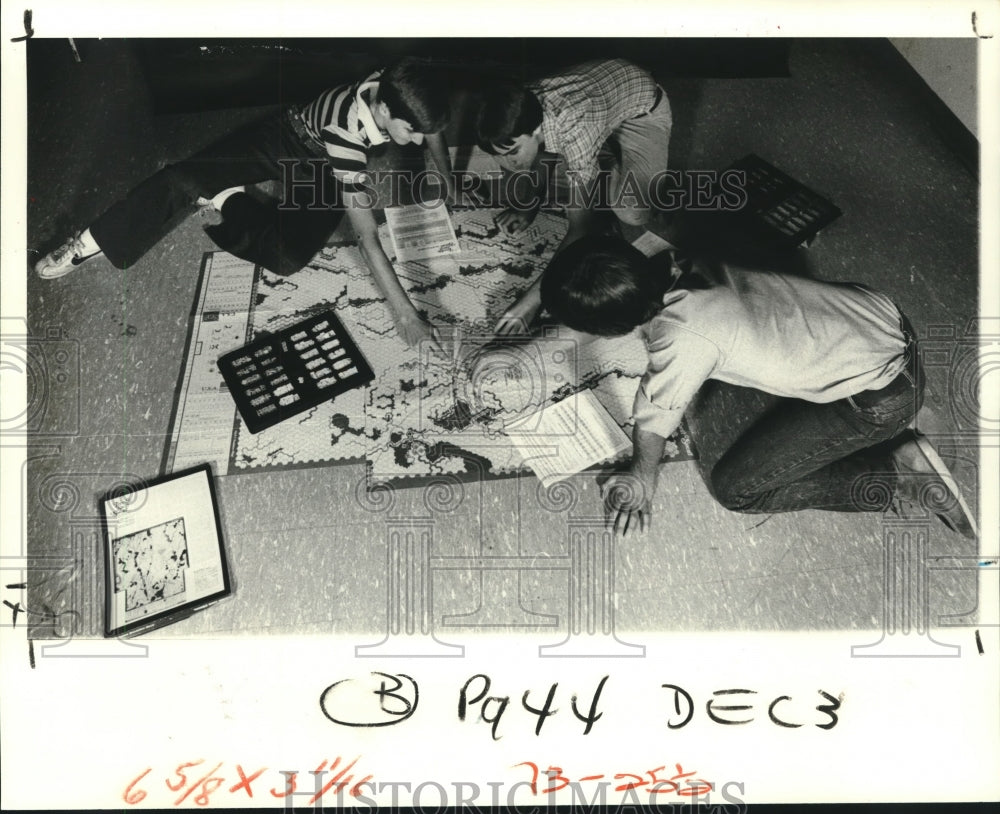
[282,374]
[783,210]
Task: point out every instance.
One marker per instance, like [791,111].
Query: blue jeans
[832,456]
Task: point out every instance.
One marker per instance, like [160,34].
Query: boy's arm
[679,364]
[518,317]
[628,496]
[412,327]
[437,146]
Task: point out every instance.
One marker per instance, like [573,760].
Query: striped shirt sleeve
[333,118]
[348,157]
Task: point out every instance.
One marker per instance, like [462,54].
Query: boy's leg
[644,143]
[280,240]
[821,456]
[132,226]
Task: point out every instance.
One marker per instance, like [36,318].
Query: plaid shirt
[583,106]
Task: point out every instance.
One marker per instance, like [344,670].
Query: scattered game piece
[282,374]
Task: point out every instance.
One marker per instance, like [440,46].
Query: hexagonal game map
[429,410]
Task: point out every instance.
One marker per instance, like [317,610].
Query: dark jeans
[823,456]
[249,155]
[279,239]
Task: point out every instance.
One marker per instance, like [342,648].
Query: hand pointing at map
[415,331]
[517,319]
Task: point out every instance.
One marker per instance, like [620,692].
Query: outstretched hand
[627,503]
[516,320]
[415,330]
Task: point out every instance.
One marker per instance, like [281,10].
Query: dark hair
[506,111]
[603,286]
[415,91]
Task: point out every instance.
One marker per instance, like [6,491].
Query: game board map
[150,566]
[426,414]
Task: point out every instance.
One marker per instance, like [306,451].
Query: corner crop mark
[975,28]
[29,32]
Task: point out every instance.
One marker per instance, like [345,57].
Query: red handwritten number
[629,786]
[534,774]
[696,788]
[662,786]
[179,771]
[693,788]
[320,771]
[137,796]
[207,787]
[289,785]
[202,798]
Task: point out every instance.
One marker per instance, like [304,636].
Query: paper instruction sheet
[421,231]
[568,437]
[651,244]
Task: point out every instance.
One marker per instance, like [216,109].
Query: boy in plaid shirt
[609,106]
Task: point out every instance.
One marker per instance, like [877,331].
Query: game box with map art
[164,555]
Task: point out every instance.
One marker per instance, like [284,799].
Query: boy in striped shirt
[306,148]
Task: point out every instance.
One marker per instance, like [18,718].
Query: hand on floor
[627,503]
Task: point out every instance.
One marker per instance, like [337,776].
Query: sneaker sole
[942,471]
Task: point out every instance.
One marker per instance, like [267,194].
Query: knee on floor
[727,493]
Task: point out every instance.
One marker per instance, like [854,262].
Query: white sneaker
[924,480]
[68,257]
[223,196]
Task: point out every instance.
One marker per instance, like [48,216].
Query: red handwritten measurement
[660,780]
[191,782]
